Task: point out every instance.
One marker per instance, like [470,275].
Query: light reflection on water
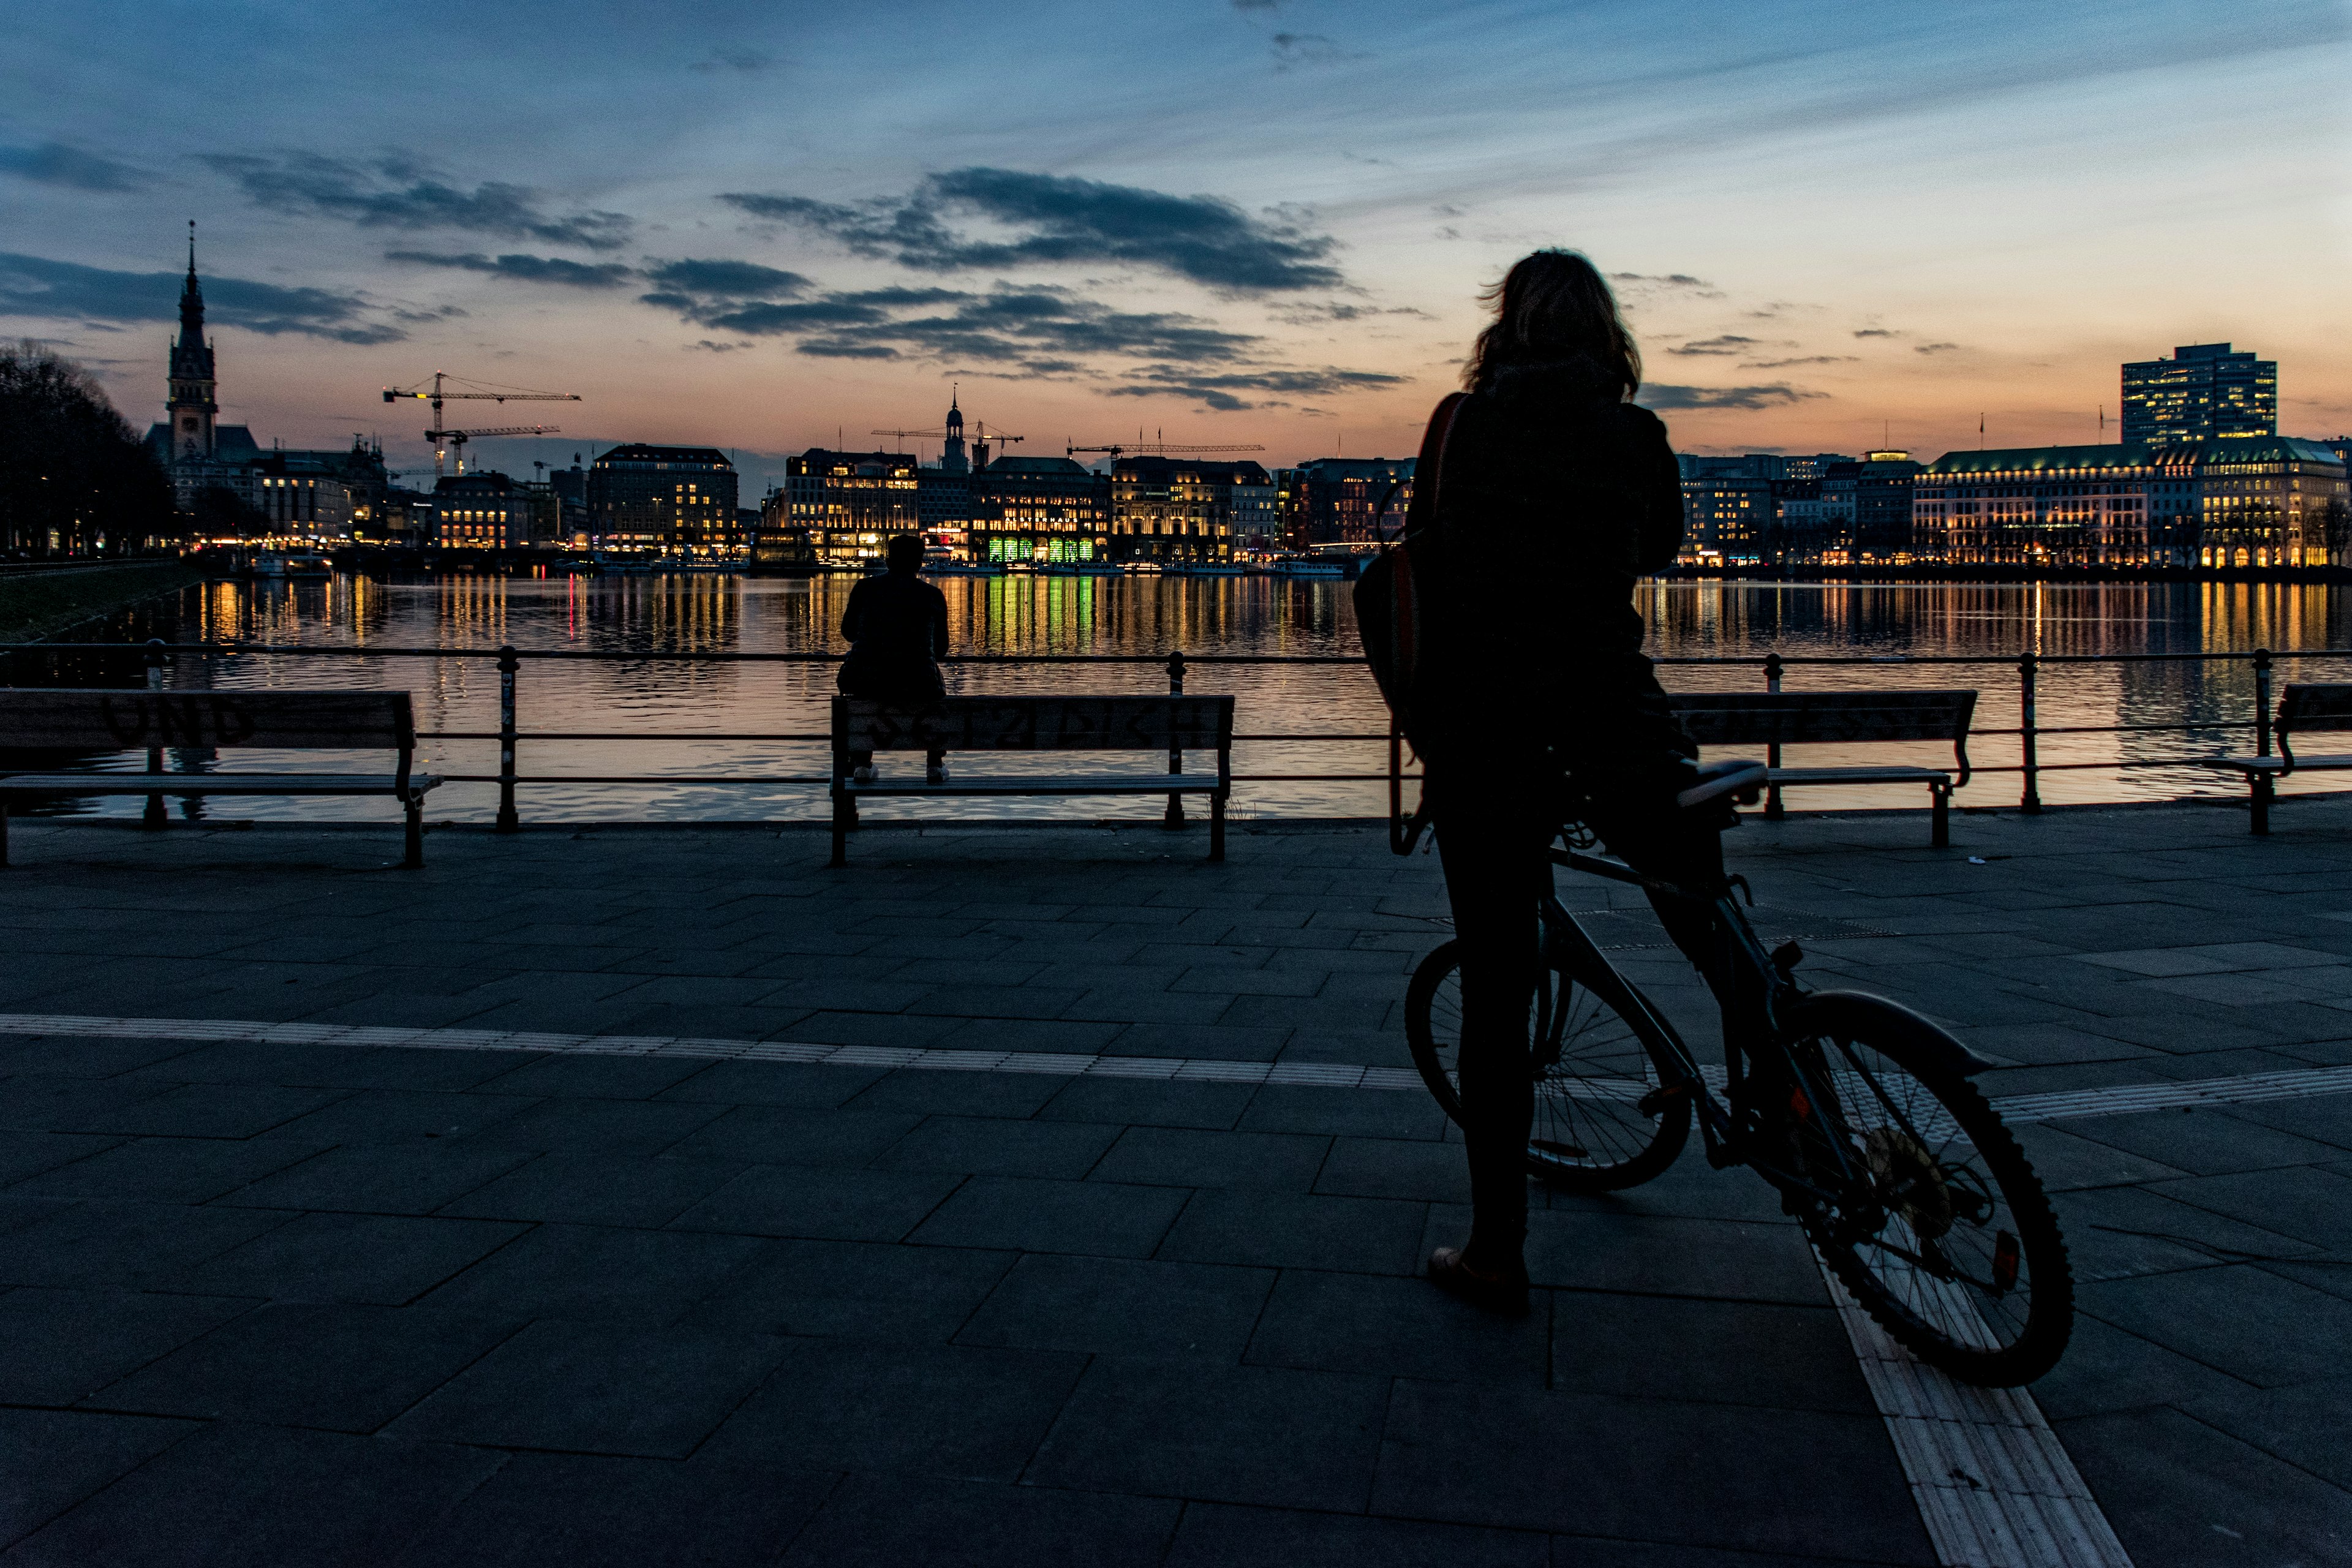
[1018,615]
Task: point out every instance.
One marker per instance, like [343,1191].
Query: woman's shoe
[1505,1293]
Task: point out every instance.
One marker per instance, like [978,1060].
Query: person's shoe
[863,774]
[1506,1293]
[935,774]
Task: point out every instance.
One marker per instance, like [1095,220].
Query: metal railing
[2027,667]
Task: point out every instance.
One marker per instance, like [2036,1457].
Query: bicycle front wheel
[1940,1229]
[1591,1069]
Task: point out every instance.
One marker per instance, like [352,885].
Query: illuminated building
[480,510]
[849,503]
[2127,505]
[1351,500]
[1178,508]
[1048,510]
[2203,392]
[666,501]
[2269,501]
[1883,524]
[1724,520]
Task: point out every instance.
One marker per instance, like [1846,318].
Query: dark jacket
[1556,494]
[895,625]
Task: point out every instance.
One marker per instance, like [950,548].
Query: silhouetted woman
[897,628]
[1555,493]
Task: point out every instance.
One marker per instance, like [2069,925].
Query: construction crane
[484,392]
[457,438]
[1163,449]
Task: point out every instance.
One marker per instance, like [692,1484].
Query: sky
[767,227]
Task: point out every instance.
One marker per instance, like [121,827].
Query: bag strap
[1431,465]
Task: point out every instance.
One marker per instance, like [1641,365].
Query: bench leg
[841,809]
[1217,827]
[1940,837]
[413,850]
[2261,801]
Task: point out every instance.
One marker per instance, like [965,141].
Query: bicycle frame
[1759,987]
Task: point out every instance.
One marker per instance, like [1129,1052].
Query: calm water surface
[692,612]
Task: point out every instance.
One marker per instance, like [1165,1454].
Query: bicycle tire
[1588,1135]
[1956,1251]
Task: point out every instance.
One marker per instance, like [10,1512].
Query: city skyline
[1239,222]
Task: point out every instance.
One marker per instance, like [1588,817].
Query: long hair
[1553,305]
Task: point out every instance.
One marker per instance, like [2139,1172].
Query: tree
[2335,528]
[73,478]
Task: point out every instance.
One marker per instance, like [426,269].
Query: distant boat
[963,568]
[1302,566]
[292,566]
[1205,568]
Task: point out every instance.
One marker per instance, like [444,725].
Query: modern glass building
[2203,391]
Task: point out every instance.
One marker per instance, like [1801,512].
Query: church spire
[191,404]
[951,458]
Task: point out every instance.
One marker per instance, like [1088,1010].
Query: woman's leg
[1492,840]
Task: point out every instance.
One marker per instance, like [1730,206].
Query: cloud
[1256,5]
[1057,218]
[55,164]
[1876,332]
[706,344]
[1220,391]
[1340,310]
[1660,279]
[392,193]
[1933,348]
[36,286]
[1307,49]
[727,279]
[524,268]
[749,62]
[1776,395]
[1729,343]
[1808,358]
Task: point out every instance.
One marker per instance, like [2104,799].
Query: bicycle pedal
[1658,1098]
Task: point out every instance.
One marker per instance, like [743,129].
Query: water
[1019,614]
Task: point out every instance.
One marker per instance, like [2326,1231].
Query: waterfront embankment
[38,602]
[1057,1189]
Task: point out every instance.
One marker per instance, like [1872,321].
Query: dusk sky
[1230,220]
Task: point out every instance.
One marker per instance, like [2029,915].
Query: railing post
[2029,801]
[1174,815]
[155,815]
[509,663]
[1772,811]
[2262,702]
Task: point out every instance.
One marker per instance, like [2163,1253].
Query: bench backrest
[1035,724]
[1832,717]
[2315,708]
[84,718]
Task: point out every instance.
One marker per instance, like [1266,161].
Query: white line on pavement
[2118,1100]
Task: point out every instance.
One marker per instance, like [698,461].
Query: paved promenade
[1136,1289]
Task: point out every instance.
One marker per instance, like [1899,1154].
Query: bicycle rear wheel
[1592,1068]
[1941,1230]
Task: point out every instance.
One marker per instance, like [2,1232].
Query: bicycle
[1859,1110]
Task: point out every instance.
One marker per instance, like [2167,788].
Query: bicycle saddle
[1743,779]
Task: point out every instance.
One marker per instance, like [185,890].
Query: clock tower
[192,405]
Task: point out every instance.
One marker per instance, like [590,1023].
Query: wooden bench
[1776,719]
[86,719]
[2302,709]
[1168,726]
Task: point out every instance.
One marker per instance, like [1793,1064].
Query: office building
[1173,509]
[1727,520]
[1881,511]
[2203,392]
[2269,501]
[1048,510]
[849,503]
[480,510]
[1350,501]
[664,500]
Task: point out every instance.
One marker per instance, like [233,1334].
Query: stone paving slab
[287,1303]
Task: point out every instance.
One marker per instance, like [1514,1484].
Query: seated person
[897,628]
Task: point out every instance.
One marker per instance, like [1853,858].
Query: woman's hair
[905,552]
[1554,305]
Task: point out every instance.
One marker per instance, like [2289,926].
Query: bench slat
[1073,783]
[1815,718]
[1035,724]
[212,784]
[96,720]
[1892,774]
[2315,707]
